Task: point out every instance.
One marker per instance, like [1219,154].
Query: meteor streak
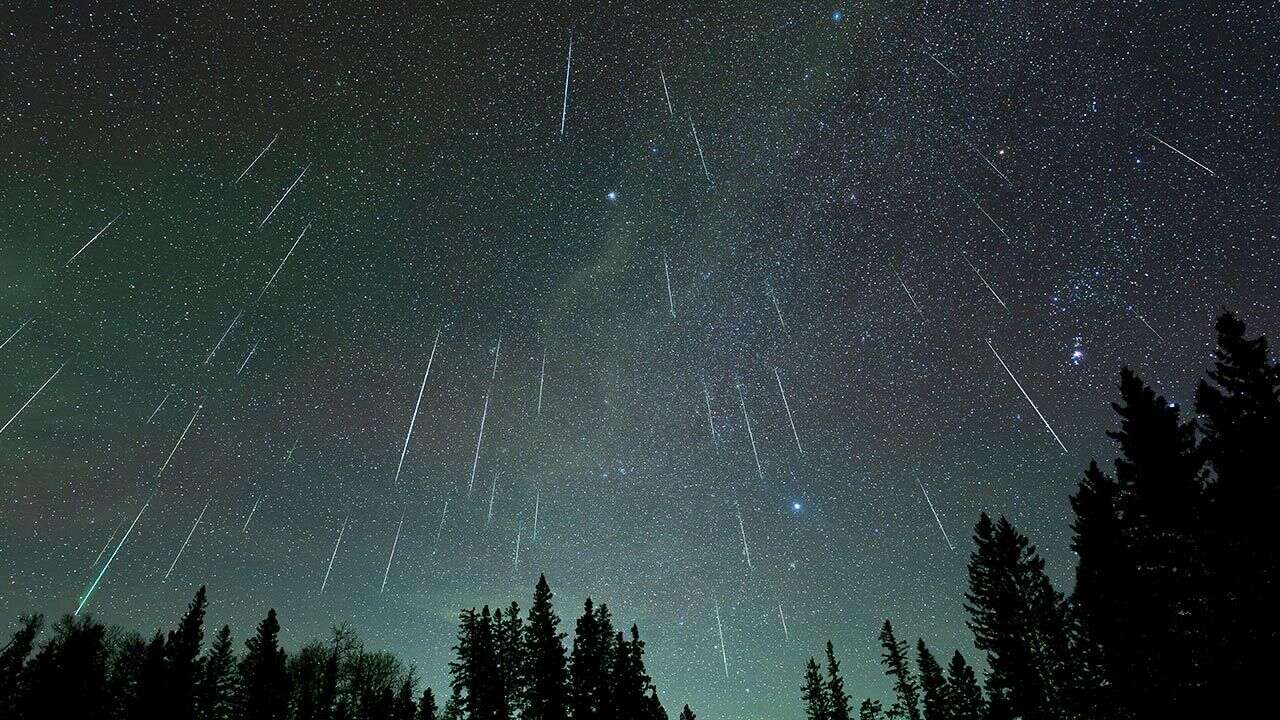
[252,350]
[1197,162]
[162,402]
[564,109]
[185,542]
[787,405]
[723,656]
[537,500]
[711,420]
[935,514]
[414,418]
[180,437]
[785,631]
[255,160]
[984,282]
[665,93]
[1028,397]
[33,397]
[988,216]
[993,166]
[443,514]
[542,379]
[252,510]
[334,555]
[701,157]
[94,585]
[395,542]
[476,460]
[95,237]
[670,302]
[225,333]
[774,297]
[746,551]
[909,295]
[944,67]
[13,335]
[282,262]
[493,490]
[742,401]
[286,194]
[107,544]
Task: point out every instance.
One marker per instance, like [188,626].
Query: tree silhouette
[427,706]
[591,664]
[896,666]
[217,690]
[13,659]
[963,690]
[182,655]
[840,709]
[546,683]
[870,710]
[933,686]
[687,714]
[817,699]
[264,679]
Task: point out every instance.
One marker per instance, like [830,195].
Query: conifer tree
[897,667]
[840,709]
[933,686]
[814,692]
[264,679]
[687,714]
[546,682]
[150,699]
[870,710]
[405,708]
[67,677]
[591,664]
[13,658]
[217,690]
[963,690]
[427,709]
[182,651]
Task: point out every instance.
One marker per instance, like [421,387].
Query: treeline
[1175,611]
[505,666]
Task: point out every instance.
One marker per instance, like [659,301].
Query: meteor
[95,237]
[542,379]
[334,555]
[395,542]
[723,656]
[162,402]
[670,302]
[785,631]
[993,166]
[1028,397]
[984,282]
[414,418]
[909,295]
[564,109]
[935,514]
[224,337]
[107,544]
[537,500]
[180,437]
[282,262]
[787,405]
[252,510]
[33,397]
[1197,162]
[476,460]
[742,401]
[701,157]
[443,514]
[286,194]
[255,160]
[13,335]
[252,350]
[185,542]
[493,490]
[711,420]
[746,552]
[944,67]
[665,93]
[773,296]
[94,585]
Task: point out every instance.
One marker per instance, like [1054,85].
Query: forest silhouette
[1173,613]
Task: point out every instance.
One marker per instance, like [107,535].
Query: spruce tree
[182,650]
[405,708]
[814,692]
[151,694]
[591,664]
[264,679]
[217,689]
[477,677]
[67,677]
[840,709]
[963,691]
[897,667]
[546,681]
[427,709]
[687,714]
[870,710]
[933,686]
[13,658]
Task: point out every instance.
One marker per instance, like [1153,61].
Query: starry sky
[888,195]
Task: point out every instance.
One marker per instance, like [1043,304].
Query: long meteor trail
[33,397]
[414,418]
[286,194]
[282,262]
[94,585]
[542,379]
[785,631]
[910,297]
[564,108]
[724,657]
[162,402]
[476,460]
[750,434]
[334,555]
[252,510]
[255,160]
[225,333]
[670,301]
[984,282]
[95,237]
[252,350]
[665,92]
[935,514]
[395,542]
[1028,397]
[787,405]
[746,551]
[701,157]
[187,541]
[1197,162]
[180,437]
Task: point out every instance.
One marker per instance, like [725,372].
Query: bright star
[796,506]
[612,195]
[837,16]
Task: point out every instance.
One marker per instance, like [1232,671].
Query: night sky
[865,163]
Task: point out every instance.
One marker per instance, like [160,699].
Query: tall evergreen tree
[13,658]
[427,709]
[217,691]
[814,692]
[67,677]
[1019,620]
[897,667]
[150,699]
[870,710]
[840,709]
[963,691]
[405,708]
[182,654]
[591,664]
[264,678]
[687,714]
[546,681]
[476,672]
[933,685]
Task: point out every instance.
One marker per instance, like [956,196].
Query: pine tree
[591,663]
[217,690]
[897,667]
[182,651]
[963,690]
[840,709]
[870,710]
[150,700]
[817,699]
[427,706]
[687,714]
[13,658]
[1020,621]
[405,708]
[546,681]
[67,677]
[476,673]
[933,686]
[264,686]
